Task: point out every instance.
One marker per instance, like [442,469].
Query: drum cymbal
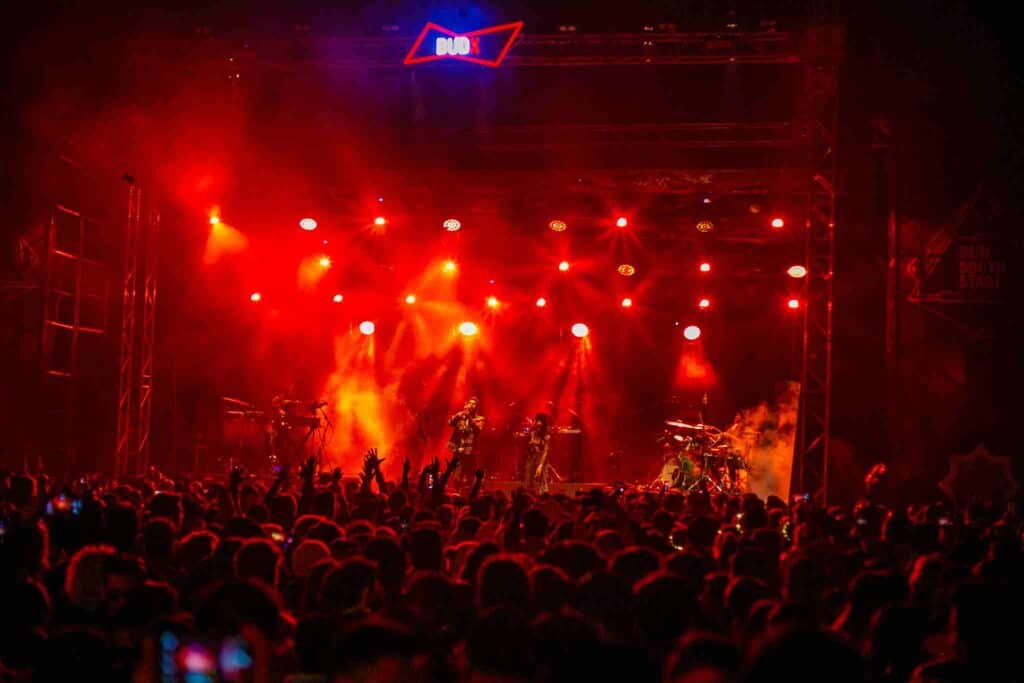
[682,425]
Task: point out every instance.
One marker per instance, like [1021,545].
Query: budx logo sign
[487,46]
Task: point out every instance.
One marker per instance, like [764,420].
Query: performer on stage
[466,426]
[538,445]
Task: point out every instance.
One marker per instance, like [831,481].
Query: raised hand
[235,478]
[282,473]
[479,474]
[406,466]
[308,468]
[336,475]
[452,464]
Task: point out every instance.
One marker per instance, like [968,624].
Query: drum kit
[703,457]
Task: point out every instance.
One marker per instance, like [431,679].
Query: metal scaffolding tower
[811,458]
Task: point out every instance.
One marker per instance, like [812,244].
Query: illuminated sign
[487,46]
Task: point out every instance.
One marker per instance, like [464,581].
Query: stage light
[706,200]
[449,267]
[367,327]
[558,226]
[468,329]
[705,226]
[337,298]
[796,271]
[563,266]
[325,262]
[380,200]
[214,220]
[626,270]
[580,330]
[492,302]
[542,302]
[627,302]
[308,224]
[621,222]
[793,303]
[452,225]
[705,267]
[691,332]
[704,304]
[380,220]
[255,297]
[410,299]
[778,223]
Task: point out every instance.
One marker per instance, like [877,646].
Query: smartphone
[945,521]
[62,504]
[805,497]
[194,660]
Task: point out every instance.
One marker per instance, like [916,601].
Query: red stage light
[492,302]
[449,267]
[380,220]
[796,271]
[468,329]
[325,262]
[704,304]
[627,302]
[793,303]
[705,267]
[580,330]
[563,266]
[621,222]
[778,223]
[410,299]
[452,225]
[214,220]
[367,327]
[626,270]
[337,298]
[558,226]
[255,297]
[308,224]
[691,332]
[542,302]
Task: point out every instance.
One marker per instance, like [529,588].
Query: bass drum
[678,472]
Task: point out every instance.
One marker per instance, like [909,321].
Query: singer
[466,426]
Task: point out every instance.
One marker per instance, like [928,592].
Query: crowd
[312,576]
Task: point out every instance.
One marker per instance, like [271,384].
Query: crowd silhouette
[311,576]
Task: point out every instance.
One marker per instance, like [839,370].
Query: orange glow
[563,266]
[410,299]
[705,267]
[492,302]
[557,226]
[542,302]
[796,271]
[778,223]
[704,304]
[691,332]
[452,225]
[325,262]
[214,220]
[380,220]
[627,303]
[367,327]
[580,330]
[449,267]
[337,298]
[621,222]
[308,224]
[793,303]
[223,240]
[255,297]
[626,270]
[468,329]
